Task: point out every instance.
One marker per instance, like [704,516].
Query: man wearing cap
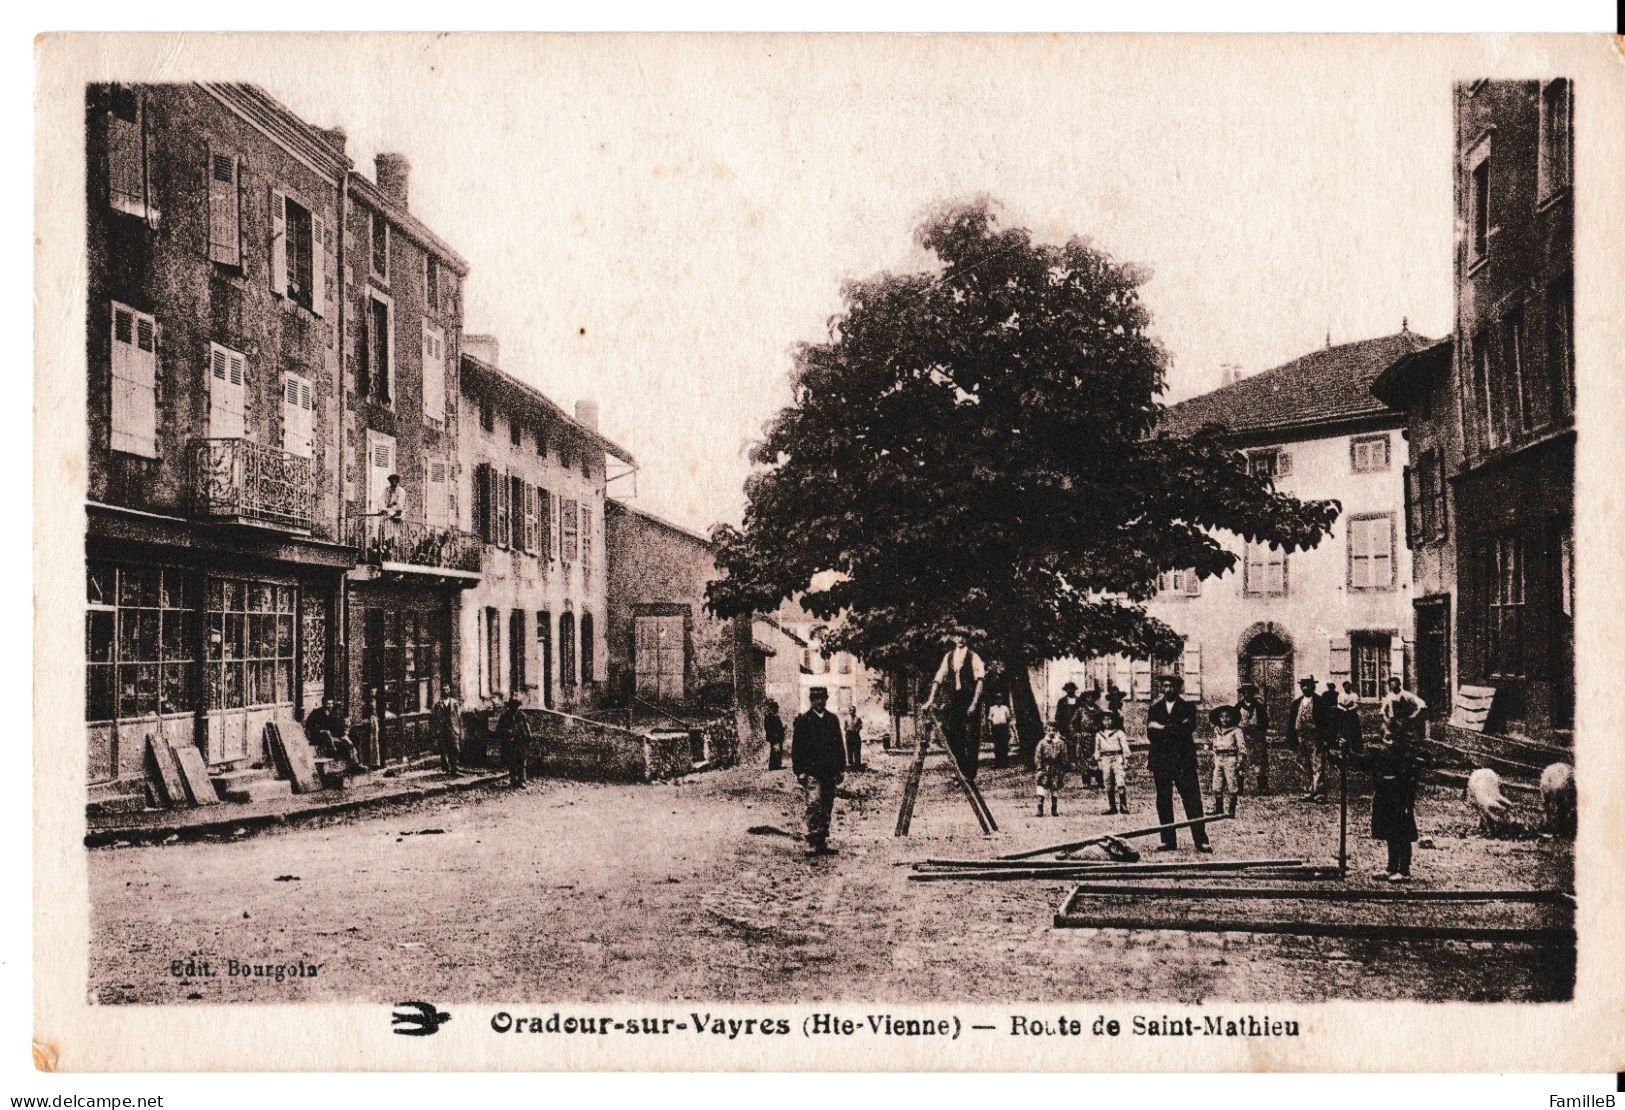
[1303,733]
[818,761]
[514,733]
[1170,726]
[1255,726]
[958,684]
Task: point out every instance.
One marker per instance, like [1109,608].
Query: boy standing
[1051,758]
[1228,744]
[1111,756]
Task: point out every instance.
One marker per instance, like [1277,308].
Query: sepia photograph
[627,546]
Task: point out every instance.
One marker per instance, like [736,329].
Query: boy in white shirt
[1228,744]
[1111,756]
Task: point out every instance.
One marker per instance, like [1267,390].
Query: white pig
[1484,793]
[1557,798]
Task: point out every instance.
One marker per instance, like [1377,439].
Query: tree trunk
[747,707]
[1029,715]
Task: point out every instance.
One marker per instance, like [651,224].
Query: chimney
[482,347]
[587,414]
[335,137]
[1229,374]
[393,172]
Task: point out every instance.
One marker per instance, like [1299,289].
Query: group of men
[1322,723]
[356,745]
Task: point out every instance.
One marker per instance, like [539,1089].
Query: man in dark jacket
[818,760]
[774,730]
[1170,726]
[513,731]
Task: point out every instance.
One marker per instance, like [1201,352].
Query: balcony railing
[239,479]
[410,543]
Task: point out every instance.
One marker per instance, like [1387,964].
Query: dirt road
[591,892]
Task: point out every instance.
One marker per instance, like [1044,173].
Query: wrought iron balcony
[238,479]
[409,544]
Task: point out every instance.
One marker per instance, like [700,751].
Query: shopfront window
[140,642]
[250,643]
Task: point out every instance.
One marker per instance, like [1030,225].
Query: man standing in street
[1255,727]
[818,762]
[1302,733]
[1170,726]
[958,684]
[1402,711]
[513,731]
[446,721]
[773,728]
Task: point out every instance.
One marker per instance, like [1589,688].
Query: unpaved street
[585,892]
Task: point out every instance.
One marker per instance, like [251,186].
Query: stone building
[1340,611]
[665,649]
[1494,502]
[533,481]
[214,534]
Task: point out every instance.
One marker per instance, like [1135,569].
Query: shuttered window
[227,393]
[586,547]
[134,356]
[1368,454]
[544,522]
[434,373]
[504,503]
[300,250]
[225,209]
[377,378]
[532,530]
[1371,552]
[380,247]
[298,417]
[570,534]
[1264,573]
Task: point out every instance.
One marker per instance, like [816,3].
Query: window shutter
[226,393]
[1122,673]
[1142,679]
[298,417]
[126,159]
[318,265]
[1440,495]
[279,243]
[544,523]
[1338,654]
[134,363]
[434,373]
[532,531]
[555,509]
[1193,671]
[478,517]
[1382,552]
[224,243]
[1283,464]
[1193,584]
[1413,507]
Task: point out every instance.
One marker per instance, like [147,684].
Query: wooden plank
[1539,935]
[194,774]
[165,773]
[1011,874]
[1064,864]
[294,757]
[1318,894]
[1130,835]
[973,796]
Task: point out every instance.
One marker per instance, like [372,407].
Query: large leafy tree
[976,445]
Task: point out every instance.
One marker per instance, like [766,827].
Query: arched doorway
[1264,658]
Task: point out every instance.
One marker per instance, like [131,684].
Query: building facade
[533,483]
[402,288]
[665,648]
[1338,612]
[1495,407]
[214,541]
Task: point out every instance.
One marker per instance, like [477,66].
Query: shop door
[1433,655]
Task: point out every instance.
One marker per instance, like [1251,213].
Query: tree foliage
[978,446]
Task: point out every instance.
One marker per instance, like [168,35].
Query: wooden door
[1433,655]
[1272,674]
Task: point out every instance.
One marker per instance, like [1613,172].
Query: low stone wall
[565,746]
